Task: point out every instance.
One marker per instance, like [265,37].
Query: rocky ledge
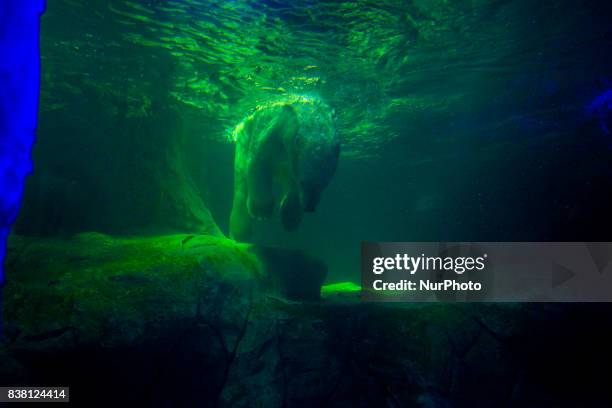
[188,320]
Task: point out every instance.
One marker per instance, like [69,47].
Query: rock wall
[113,160]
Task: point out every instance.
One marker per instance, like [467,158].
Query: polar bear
[288,150]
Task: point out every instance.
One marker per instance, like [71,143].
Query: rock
[130,175]
[190,320]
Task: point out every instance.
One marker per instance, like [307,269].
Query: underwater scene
[205,173]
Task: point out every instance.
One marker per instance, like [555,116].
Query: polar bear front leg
[241,227]
[240,220]
[291,210]
[260,187]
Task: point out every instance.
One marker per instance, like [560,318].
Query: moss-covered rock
[95,288]
[189,320]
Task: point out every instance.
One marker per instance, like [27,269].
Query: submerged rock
[201,321]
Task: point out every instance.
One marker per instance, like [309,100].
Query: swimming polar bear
[289,149]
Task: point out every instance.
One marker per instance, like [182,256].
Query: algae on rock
[187,320]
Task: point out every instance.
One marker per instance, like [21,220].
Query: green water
[459,120]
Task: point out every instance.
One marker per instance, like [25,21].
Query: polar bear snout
[310,202]
[310,208]
[310,197]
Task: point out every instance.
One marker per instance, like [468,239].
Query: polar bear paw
[260,209]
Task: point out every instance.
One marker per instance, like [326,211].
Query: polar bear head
[318,149]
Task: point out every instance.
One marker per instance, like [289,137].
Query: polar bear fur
[287,150]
